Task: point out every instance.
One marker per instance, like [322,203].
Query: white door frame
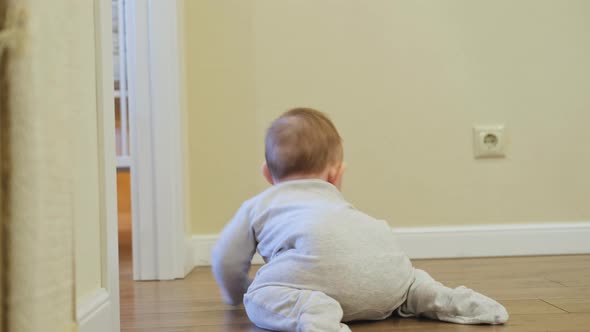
[101,311]
[153,46]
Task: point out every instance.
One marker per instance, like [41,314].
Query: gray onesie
[326,262]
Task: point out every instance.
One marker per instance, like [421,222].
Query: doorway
[153,242]
[122,139]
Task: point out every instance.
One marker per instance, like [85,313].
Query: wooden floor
[540,293]
[124,209]
[549,293]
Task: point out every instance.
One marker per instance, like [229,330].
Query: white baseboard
[465,241]
[495,240]
[188,256]
[94,314]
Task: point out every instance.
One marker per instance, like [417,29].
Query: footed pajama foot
[461,305]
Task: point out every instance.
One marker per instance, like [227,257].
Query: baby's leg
[429,298]
[288,309]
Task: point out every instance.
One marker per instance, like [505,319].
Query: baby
[326,262]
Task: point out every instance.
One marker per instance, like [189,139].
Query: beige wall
[222,129]
[404,82]
[87,210]
[54,230]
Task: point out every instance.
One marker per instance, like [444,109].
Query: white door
[99,310]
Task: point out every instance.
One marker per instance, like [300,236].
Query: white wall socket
[489,141]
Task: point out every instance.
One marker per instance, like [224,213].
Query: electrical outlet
[489,141]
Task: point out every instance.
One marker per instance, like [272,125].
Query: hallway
[124,212]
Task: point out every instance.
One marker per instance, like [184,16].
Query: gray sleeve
[232,255]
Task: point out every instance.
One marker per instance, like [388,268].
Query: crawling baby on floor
[326,262]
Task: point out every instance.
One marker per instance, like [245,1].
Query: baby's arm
[232,255]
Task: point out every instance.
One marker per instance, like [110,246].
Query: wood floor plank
[536,293]
[553,322]
[532,306]
[572,305]
[502,283]
[184,319]
[521,323]
[578,277]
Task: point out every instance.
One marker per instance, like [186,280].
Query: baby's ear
[335,175]
[266,173]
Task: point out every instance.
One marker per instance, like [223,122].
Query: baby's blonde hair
[301,141]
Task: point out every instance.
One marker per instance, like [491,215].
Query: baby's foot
[429,298]
[465,306]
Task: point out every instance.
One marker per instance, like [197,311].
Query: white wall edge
[94,314]
[101,312]
[189,256]
[157,186]
[464,241]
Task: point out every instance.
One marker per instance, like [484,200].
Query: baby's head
[303,144]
